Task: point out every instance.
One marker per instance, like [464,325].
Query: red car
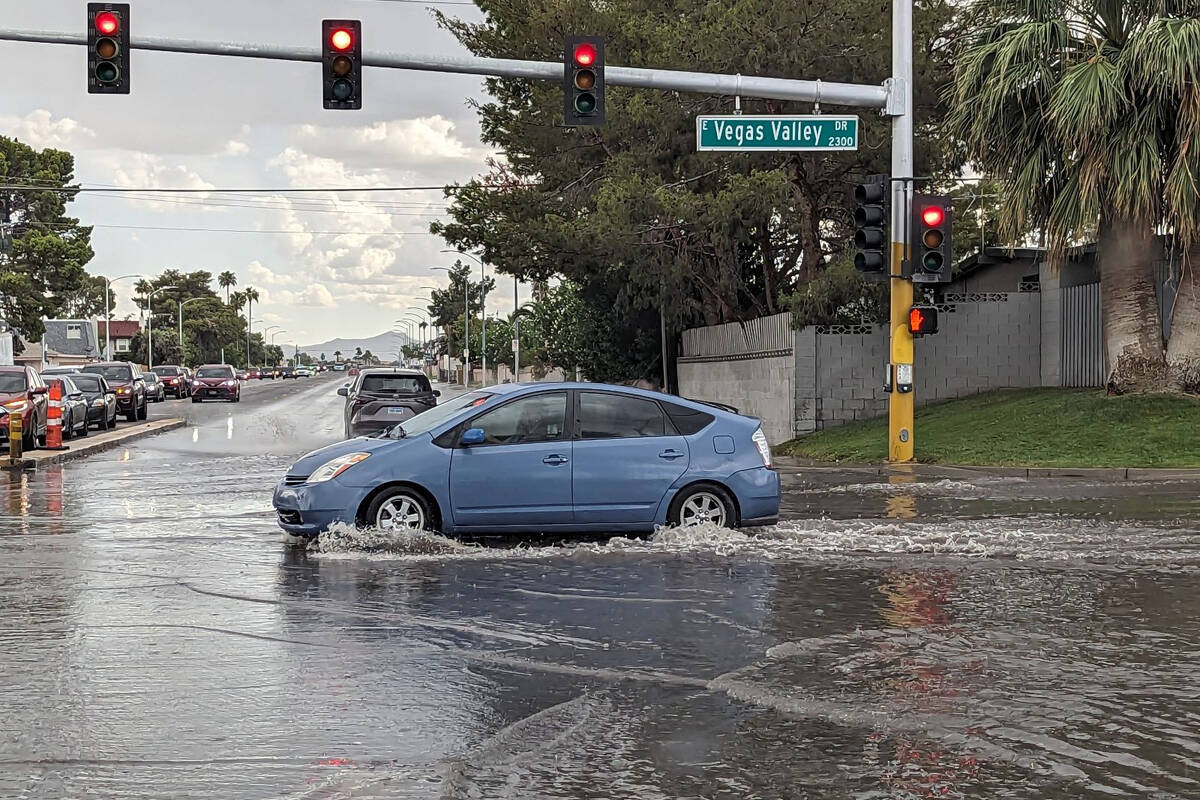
[254,375]
[216,382]
[23,392]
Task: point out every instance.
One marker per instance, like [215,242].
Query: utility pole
[516,333]
[901,404]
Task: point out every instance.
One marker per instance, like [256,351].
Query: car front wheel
[400,509]
[700,505]
[141,414]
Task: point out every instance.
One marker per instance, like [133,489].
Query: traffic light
[341,63]
[108,48]
[871,208]
[583,80]
[931,250]
[922,320]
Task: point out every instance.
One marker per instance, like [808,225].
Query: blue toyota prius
[558,457]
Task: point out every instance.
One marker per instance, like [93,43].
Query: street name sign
[746,132]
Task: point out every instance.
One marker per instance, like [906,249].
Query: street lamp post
[183,303]
[108,282]
[482,306]
[265,333]
[150,323]
[466,324]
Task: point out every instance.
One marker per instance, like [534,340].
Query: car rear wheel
[68,427]
[400,509]
[701,505]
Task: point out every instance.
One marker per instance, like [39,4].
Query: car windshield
[169,371]
[436,416]
[214,372]
[12,382]
[394,384]
[150,377]
[87,383]
[116,373]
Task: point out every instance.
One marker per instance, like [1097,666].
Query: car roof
[698,405]
[206,366]
[390,371]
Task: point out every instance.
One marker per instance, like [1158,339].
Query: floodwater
[983,638]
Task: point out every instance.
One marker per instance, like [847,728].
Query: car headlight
[122,390]
[231,383]
[331,469]
[98,402]
[17,405]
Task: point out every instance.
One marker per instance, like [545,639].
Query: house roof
[85,346]
[990,256]
[121,328]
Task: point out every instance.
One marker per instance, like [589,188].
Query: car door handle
[669,454]
[554,460]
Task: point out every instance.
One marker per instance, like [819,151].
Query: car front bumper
[125,402]
[215,392]
[306,509]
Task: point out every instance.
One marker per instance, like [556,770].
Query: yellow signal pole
[900,404]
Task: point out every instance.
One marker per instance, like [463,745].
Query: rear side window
[687,420]
[618,416]
[394,384]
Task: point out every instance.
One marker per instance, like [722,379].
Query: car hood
[309,462]
[8,397]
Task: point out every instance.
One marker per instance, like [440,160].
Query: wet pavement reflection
[902,638]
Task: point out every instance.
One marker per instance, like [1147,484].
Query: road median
[94,443]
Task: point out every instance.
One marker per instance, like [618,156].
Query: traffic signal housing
[583,80]
[341,63]
[108,48]
[931,233]
[872,206]
[922,320]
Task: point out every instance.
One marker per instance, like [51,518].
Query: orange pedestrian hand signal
[922,320]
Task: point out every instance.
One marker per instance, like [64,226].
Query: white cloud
[39,129]
[138,170]
[402,140]
[235,148]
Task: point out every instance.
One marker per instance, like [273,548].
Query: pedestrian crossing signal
[922,320]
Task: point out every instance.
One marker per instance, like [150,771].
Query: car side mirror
[38,390]
[343,391]
[75,395]
[472,436]
[437,393]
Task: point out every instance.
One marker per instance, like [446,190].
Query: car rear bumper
[758,495]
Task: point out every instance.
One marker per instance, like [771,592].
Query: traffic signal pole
[894,97]
[901,403]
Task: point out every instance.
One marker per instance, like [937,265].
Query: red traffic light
[922,320]
[341,39]
[108,23]
[585,54]
[933,215]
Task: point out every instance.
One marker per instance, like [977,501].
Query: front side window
[540,418]
[618,416]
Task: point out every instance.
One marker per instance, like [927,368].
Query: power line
[9,187]
[240,230]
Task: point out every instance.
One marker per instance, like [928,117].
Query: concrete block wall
[760,387]
[851,370]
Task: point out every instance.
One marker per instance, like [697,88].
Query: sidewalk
[792,464]
[94,443]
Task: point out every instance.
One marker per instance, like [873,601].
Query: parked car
[512,458]
[287,372]
[23,392]
[126,378]
[216,382]
[101,399]
[176,379]
[156,387]
[74,406]
[381,398]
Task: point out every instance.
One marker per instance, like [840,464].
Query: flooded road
[982,638]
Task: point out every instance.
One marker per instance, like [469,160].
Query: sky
[325,265]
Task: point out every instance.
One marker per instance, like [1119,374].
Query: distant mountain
[384,346]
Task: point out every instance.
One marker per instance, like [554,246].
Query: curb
[939,471]
[86,447]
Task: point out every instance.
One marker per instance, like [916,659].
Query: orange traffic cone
[54,419]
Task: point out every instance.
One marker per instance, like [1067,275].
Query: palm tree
[237,301]
[227,280]
[337,355]
[1087,113]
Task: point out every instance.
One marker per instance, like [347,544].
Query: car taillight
[764,449]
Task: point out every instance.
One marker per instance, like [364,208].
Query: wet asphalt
[983,638]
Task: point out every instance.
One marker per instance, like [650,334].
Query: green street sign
[745,132]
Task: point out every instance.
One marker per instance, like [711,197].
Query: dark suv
[126,380]
[23,392]
[380,398]
[175,379]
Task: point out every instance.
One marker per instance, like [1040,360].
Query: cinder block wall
[758,387]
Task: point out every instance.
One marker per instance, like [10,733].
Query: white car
[304,372]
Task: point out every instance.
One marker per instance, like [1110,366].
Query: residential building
[123,331]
